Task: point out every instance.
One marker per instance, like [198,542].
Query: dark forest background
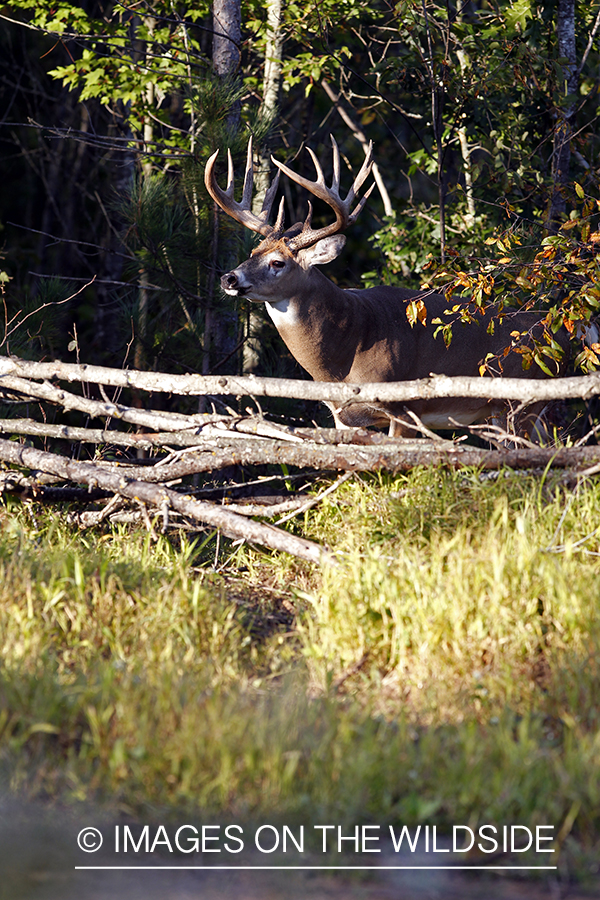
[483,116]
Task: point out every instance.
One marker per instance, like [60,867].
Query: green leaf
[518,14]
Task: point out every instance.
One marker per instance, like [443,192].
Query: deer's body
[364,335]
[367,338]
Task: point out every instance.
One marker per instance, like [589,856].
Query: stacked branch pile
[207,443]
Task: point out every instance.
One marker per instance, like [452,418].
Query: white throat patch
[282,313]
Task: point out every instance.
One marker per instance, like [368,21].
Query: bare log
[95,435]
[354,450]
[219,434]
[100,408]
[12,480]
[145,441]
[229,523]
[527,390]
[391,456]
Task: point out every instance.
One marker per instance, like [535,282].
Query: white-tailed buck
[361,335]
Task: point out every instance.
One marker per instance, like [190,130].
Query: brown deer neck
[317,324]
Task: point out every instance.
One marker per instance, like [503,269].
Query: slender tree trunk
[227,39]
[561,153]
[210,294]
[222,330]
[437,121]
[106,331]
[76,155]
[140,361]
[465,150]
[271,88]
[262,179]
[437,108]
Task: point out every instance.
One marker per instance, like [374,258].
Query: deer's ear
[322,252]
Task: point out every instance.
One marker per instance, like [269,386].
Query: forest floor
[445,672]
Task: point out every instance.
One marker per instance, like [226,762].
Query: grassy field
[446,672]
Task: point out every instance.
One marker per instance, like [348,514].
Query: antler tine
[242,212]
[278,228]
[248,177]
[352,219]
[318,188]
[331,196]
[230,176]
[269,197]
[320,176]
[308,219]
[363,174]
[335,183]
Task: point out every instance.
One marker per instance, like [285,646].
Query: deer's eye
[277,264]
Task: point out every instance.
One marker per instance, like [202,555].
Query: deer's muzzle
[232,283]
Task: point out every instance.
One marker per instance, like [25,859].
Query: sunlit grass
[447,670]
[471,615]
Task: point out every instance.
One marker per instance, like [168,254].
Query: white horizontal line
[328,868]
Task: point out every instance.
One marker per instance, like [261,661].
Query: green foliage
[128,59]
[500,80]
[560,278]
[405,244]
[28,330]
[464,108]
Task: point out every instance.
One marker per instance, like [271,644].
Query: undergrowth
[446,671]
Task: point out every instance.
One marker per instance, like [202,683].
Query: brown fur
[361,336]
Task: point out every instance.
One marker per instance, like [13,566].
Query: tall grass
[447,671]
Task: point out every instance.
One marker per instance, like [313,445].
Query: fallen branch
[101,408]
[231,524]
[217,433]
[527,390]
[91,518]
[98,435]
[216,448]
[393,456]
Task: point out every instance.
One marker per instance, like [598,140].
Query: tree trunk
[268,110]
[227,39]
[107,337]
[437,120]
[561,153]
[222,330]
[465,150]
[271,88]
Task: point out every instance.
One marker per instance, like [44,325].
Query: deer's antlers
[343,217]
[242,212]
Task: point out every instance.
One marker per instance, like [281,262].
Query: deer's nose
[231,279]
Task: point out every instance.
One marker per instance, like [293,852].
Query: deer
[364,335]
